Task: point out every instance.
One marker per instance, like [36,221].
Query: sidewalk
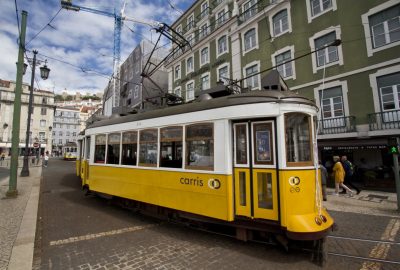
[368,202]
[18,221]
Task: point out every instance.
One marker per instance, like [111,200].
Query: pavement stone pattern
[11,213]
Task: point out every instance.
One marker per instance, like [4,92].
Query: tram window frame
[100,148]
[171,147]
[131,160]
[87,148]
[113,155]
[268,153]
[287,142]
[209,143]
[148,143]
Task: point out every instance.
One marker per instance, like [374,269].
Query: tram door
[255,171]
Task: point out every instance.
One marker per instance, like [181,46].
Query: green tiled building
[356,84]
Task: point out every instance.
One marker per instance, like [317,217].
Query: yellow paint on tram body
[205,194]
[298,202]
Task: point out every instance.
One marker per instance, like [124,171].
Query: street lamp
[44,73]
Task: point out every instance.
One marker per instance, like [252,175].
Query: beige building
[41,119]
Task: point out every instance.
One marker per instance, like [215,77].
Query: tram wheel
[319,253]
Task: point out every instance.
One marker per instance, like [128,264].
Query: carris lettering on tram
[191,181]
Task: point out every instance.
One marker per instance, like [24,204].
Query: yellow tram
[246,161]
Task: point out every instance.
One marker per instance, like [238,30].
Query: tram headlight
[318,220]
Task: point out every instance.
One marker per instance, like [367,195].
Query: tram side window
[100,148]
[148,140]
[129,148]
[200,147]
[171,147]
[113,146]
[298,139]
[87,145]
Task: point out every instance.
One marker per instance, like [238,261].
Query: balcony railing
[216,3]
[249,13]
[204,14]
[337,125]
[384,120]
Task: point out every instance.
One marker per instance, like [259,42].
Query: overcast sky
[77,45]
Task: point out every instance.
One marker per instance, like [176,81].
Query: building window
[200,147]
[136,93]
[250,39]
[43,111]
[60,141]
[178,91]
[74,134]
[171,147]
[129,148]
[148,142]
[190,39]
[332,103]
[385,26]
[42,123]
[204,10]
[284,69]
[44,100]
[60,133]
[280,22]
[203,31]
[222,45]
[205,82]
[189,65]
[222,16]
[318,6]
[204,59]
[252,82]
[100,148]
[54,133]
[113,145]
[177,72]
[190,91]
[329,54]
[223,74]
[67,133]
[42,136]
[190,22]
[389,91]
[249,9]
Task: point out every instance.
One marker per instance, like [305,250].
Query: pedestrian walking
[324,178]
[46,159]
[3,156]
[339,175]
[348,178]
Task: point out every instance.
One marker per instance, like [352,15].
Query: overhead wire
[44,27]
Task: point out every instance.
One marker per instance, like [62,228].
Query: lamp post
[44,73]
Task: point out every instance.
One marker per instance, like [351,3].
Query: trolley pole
[12,187]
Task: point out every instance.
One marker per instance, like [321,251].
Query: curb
[22,253]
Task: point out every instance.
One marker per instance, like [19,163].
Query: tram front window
[298,139]
[171,147]
[100,149]
[129,148]
[200,147]
[113,146]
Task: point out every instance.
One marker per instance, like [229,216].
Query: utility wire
[47,24]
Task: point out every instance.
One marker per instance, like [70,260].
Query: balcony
[216,3]
[249,12]
[384,120]
[337,125]
[204,14]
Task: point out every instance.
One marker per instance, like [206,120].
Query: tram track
[375,257]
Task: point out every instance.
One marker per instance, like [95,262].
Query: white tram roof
[252,97]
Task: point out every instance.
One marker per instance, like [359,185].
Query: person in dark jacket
[349,170]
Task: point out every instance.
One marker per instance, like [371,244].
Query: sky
[78,46]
